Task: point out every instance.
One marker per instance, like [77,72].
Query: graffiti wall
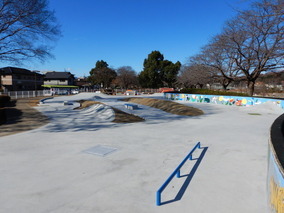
[275,184]
[275,177]
[225,100]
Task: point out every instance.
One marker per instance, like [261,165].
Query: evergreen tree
[158,72]
[102,75]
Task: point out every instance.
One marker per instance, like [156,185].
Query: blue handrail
[176,172]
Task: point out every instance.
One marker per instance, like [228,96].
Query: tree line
[157,73]
[250,44]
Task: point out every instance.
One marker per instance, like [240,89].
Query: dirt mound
[167,106]
[123,117]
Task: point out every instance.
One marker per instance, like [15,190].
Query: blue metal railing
[175,173]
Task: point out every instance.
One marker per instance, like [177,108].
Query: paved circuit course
[48,170]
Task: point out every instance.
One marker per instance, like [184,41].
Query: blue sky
[124,32]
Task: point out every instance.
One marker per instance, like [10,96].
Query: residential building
[60,83]
[19,79]
[59,78]
[84,84]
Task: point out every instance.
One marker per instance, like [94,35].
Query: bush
[2,116]
[4,99]
[210,92]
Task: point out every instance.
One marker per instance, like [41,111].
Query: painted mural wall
[275,173]
[275,177]
[225,100]
[275,183]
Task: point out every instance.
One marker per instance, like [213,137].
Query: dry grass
[167,106]
[22,117]
[85,104]
[123,117]
[34,101]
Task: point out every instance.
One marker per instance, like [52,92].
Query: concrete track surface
[48,169]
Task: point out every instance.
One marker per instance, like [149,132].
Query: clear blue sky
[124,32]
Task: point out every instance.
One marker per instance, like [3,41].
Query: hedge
[3,101]
[210,92]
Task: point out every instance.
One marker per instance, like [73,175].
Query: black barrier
[275,176]
[277,138]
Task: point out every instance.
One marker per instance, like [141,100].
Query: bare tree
[126,77]
[214,55]
[195,76]
[256,39]
[26,29]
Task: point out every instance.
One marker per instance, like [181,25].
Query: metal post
[158,199]
[178,174]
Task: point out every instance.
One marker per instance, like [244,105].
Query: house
[59,78]
[60,83]
[19,79]
[84,84]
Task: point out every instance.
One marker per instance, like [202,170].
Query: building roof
[16,70]
[58,75]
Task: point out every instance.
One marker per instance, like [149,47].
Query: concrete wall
[275,177]
[225,100]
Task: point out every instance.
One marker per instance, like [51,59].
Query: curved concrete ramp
[100,112]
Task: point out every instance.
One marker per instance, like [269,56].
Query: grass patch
[84,104]
[123,117]
[33,102]
[254,114]
[210,92]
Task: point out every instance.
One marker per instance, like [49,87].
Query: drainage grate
[100,150]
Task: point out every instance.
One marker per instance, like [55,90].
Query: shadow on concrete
[188,179]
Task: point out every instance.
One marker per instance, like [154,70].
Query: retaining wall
[225,100]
